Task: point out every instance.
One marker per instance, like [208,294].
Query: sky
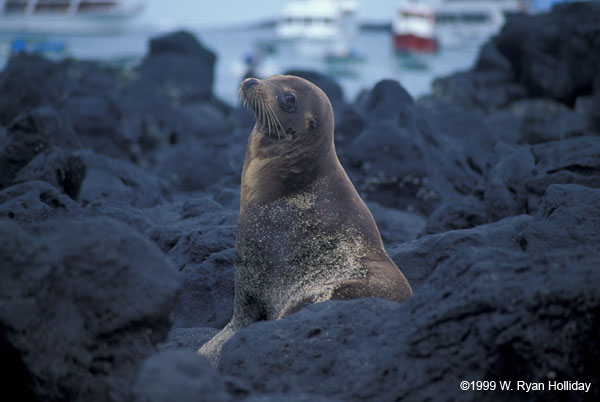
[210,13]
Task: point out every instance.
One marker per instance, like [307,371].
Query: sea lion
[304,234]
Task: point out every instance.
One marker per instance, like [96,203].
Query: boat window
[86,6]
[52,6]
[15,6]
[411,14]
[445,18]
[475,18]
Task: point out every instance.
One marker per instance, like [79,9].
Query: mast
[73,6]
[31,7]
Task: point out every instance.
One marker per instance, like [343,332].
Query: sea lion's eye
[290,99]
[287,102]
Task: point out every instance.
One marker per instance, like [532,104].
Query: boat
[317,20]
[427,25]
[67,17]
[413,27]
[462,22]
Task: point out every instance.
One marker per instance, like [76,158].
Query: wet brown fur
[304,233]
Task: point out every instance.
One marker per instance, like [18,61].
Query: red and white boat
[413,27]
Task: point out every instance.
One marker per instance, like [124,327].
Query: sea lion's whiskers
[278,125]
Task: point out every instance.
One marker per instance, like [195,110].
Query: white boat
[459,22]
[318,20]
[423,25]
[79,17]
[413,27]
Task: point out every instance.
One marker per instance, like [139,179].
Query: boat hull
[63,24]
[411,43]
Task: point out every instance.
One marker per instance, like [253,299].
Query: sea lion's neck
[279,170]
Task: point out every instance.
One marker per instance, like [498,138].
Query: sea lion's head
[288,109]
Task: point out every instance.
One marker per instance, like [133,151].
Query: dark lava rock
[205,258]
[396,226]
[56,167]
[198,236]
[385,161]
[568,217]
[483,91]
[417,259]
[574,160]
[84,302]
[555,55]
[505,192]
[178,67]
[36,201]
[32,132]
[116,180]
[459,213]
[536,121]
[188,338]
[29,82]
[178,375]
[458,144]
[484,314]
[200,165]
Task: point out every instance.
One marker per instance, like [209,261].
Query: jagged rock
[484,91]
[460,213]
[458,145]
[198,236]
[538,120]
[36,201]
[31,133]
[28,82]
[505,192]
[200,165]
[555,55]
[188,338]
[116,180]
[568,217]
[484,314]
[396,226]
[56,167]
[574,160]
[84,302]
[385,160]
[178,375]
[205,259]
[179,68]
[417,259]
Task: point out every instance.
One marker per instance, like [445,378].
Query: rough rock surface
[84,302]
[178,375]
[36,201]
[486,194]
[484,314]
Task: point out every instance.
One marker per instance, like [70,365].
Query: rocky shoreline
[119,194]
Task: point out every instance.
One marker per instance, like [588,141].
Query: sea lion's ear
[312,122]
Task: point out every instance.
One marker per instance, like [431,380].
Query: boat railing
[71,7]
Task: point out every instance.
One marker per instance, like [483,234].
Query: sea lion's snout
[248,83]
[247,92]
[256,98]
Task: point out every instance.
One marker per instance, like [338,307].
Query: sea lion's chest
[299,235]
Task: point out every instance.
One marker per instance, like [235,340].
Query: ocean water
[375,59]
